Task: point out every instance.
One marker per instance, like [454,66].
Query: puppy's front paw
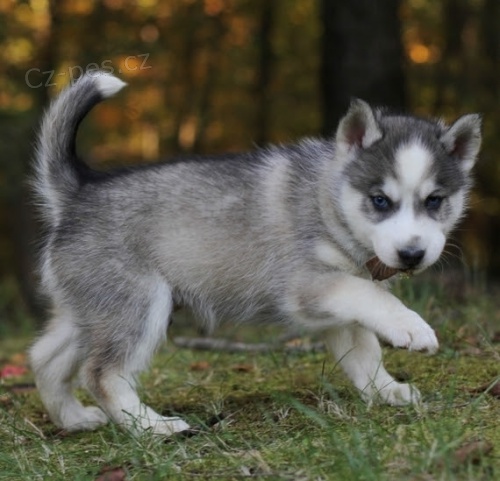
[394,394]
[165,426]
[82,419]
[171,426]
[423,338]
[413,333]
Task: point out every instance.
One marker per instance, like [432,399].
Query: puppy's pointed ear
[358,128]
[463,140]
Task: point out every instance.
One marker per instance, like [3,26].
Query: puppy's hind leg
[117,357]
[55,359]
[358,351]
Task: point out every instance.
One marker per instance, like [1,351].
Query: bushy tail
[57,166]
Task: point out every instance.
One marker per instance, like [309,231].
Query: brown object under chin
[379,271]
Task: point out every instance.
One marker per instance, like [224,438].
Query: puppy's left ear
[463,140]
[358,128]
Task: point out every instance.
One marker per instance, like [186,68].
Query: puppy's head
[405,181]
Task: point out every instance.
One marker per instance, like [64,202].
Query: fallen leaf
[490,388]
[109,473]
[199,366]
[472,452]
[12,370]
[242,368]
[379,271]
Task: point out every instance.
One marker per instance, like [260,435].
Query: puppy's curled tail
[58,170]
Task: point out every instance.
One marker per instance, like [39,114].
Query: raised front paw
[413,333]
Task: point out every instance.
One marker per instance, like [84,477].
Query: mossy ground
[288,415]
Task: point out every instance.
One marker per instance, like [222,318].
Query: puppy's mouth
[380,272]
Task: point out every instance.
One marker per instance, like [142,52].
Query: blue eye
[433,202]
[381,203]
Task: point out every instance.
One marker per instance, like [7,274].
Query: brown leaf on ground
[242,368]
[492,388]
[112,473]
[200,366]
[472,452]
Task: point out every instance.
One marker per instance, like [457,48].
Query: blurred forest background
[226,75]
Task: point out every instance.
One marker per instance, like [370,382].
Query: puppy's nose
[411,256]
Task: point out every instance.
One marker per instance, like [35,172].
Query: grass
[289,416]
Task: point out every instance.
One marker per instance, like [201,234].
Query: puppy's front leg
[343,300]
[358,352]
[354,312]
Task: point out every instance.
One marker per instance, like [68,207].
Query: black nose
[411,256]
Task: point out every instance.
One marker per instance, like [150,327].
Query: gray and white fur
[278,234]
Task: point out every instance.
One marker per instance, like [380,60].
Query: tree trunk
[455,15]
[25,227]
[362,56]
[264,71]
[214,43]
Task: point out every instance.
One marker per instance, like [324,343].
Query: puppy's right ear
[463,140]
[358,128]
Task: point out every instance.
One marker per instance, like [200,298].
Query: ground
[289,415]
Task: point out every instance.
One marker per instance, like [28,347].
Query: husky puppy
[280,234]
